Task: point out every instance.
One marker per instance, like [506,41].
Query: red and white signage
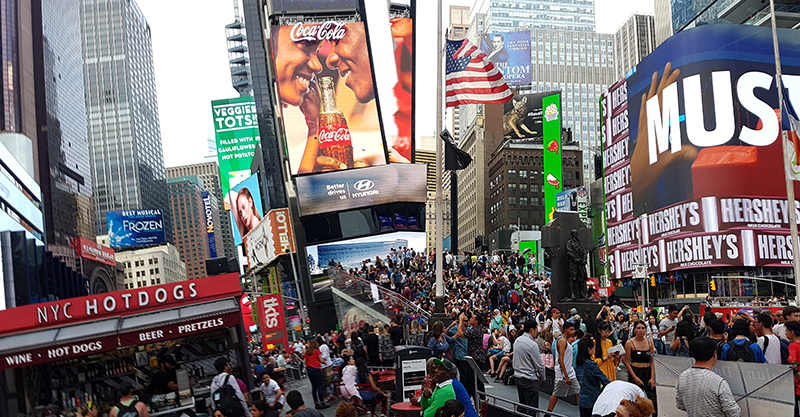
[119,303]
[175,330]
[271,238]
[58,353]
[85,248]
[272,321]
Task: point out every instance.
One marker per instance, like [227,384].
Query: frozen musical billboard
[692,150]
[327,95]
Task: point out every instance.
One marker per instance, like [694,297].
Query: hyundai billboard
[129,228]
[691,139]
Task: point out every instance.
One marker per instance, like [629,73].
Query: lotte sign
[272,321]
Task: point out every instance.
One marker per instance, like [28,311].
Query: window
[512,173]
[523,173]
[523,201]
[523,187]
[512,187]
[512,201]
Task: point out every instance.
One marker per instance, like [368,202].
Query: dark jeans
[315,376]
[467,377]
[528,390]
[585,412]
[645,374]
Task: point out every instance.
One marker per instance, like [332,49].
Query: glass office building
[541,14]
[127,162]
[64,171]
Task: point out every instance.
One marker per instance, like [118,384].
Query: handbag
[328,375]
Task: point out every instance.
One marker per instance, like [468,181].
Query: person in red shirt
[793,334]
[313,358]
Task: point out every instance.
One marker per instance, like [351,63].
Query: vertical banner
[511,54]
[236,129]
[272,322]
[552,153]
[212,238]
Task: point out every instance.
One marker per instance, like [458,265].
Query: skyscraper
[209,173]
[191,238]
[238,56]
[127,162]
[633,41]
[553,14]
[64,172]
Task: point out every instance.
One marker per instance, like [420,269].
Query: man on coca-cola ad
[328,127]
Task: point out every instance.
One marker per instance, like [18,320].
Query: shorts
[562,390]
[499,355]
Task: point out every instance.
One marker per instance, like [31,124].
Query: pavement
[508,392]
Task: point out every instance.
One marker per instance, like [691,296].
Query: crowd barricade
[495,406]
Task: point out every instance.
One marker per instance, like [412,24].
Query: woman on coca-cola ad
[333,127]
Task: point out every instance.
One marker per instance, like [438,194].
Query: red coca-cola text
[334,135]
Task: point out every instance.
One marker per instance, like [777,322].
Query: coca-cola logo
[330,30]
[341,134]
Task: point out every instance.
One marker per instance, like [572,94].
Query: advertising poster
[327,96]
[347,190]
[85,248]
[691,144]
[246,210]
[552,153]
[272,322]
[135,228]
[236,130]
[271,238]
[211,234]
[523,116]
[574,199]
[511,54]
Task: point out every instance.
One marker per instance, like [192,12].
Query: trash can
[410,363]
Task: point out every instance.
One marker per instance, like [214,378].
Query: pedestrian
[439,343]
[349,388]
[592,379]
[259,409]
[566,383]
[416,337]
[613,394]
[295,401]
[792,329]
[607,361]
[666,329]
[452,408]
[385,347]
[529,371]
[223,378]
[373,346]
[684,333]
[459,354]
[739,346]
[127,405]
[271,392]
[313,358]
[638,359]
[346,409]
[434,398]
[699,390]
[640,407]
[474,335]
[769,343]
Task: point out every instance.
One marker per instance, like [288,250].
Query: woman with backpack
[684,333]
[385,347]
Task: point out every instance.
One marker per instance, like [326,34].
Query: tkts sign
[272,321]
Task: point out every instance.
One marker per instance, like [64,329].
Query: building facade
[663,20]
[633,41]
[517,184]
[150,266]
[238,55]
[426,154]
[686,14]
[209,174]
[64,169]
[572,15]
[127,161]
[190,227]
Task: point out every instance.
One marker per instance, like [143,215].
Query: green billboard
[236,129]
[553,183]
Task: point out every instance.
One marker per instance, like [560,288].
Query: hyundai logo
[364,185]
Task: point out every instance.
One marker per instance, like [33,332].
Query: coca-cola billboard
[328,96]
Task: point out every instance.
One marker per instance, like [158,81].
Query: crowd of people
[501,315]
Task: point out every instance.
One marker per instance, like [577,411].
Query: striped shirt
[702,393]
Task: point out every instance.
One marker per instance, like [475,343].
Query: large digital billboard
[270,239]
[551,126]
[236,129]
[523,116]
[347,190]
[511,54]
[350,253]
[691,145]
[135,228]
[327,96]
[246,209]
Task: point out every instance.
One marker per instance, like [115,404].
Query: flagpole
[787,168]
[439,311]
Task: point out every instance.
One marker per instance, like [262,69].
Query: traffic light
[713,285]
[652,280]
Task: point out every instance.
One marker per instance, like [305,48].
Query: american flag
[471,77]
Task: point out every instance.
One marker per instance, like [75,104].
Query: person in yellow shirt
[607,362]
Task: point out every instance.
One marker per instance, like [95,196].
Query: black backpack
[225,400]
[741,352]
[784,349]
[128,411]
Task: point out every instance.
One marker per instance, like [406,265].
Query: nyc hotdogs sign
[691,140]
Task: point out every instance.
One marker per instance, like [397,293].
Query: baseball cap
[446,364]
[555,310]
[573,312]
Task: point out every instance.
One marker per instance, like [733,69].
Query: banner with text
[270,239]
[511,54]
[272,322]
[553,183]
[690,145]
[236,129]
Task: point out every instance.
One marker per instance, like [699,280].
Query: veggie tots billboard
[691,139]
[236,128]
[135,228]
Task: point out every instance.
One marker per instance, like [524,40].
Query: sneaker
[498,379]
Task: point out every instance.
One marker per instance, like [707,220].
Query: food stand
[58,355]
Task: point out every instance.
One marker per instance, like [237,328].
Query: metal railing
[512,407]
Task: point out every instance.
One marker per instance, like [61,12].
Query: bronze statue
[577,267]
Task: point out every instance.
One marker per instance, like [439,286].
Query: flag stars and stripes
[471,78]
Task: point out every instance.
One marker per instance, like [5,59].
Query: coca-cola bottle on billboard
[334,135]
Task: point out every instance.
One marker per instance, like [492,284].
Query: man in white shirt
[554,324]
[272,393]
[612,395]
[772,351]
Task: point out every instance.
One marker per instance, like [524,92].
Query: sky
[191,65]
